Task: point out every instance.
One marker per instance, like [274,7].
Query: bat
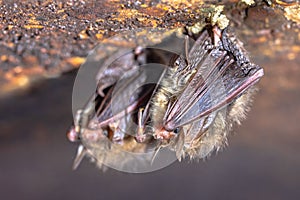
[100,126]
[190,109]
[203,95]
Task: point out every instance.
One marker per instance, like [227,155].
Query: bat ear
[176,130]
[180,145]
[81,152]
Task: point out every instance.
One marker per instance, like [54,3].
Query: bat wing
[123,98]
[218,80]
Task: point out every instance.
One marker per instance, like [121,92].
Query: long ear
[156,151]
[180,145]
[81,152]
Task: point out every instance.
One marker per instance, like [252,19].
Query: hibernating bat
[190,108]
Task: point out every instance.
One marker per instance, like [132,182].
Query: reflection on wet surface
[261,161]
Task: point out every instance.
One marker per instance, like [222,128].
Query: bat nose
[72,135]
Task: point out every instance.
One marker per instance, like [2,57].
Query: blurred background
[261,162]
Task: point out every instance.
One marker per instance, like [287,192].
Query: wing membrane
[218,80]
[122,99]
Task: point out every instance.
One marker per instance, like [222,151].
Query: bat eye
[105,132]
[176,130]
[177,62]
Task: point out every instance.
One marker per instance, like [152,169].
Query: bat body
[190,109]
[201,97]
